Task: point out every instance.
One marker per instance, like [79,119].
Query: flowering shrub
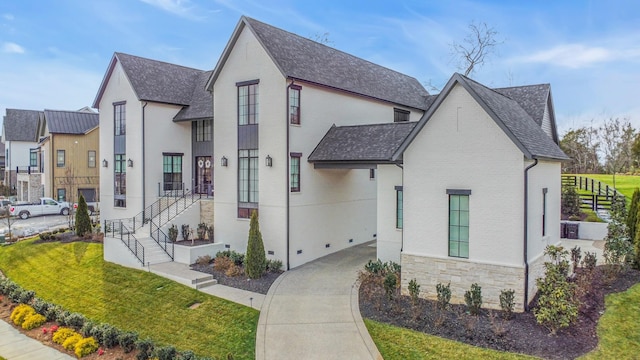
[87,346]
[61,334]
[20,313]
[70,342]
[33,321]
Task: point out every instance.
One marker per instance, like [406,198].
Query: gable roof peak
[306,60]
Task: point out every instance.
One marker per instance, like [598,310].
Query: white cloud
[181,8]
[577,56]
[12,48]
[8,17]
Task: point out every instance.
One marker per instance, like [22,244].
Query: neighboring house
[69,155]
[333,151]
[20,134]
[155,131]
[2,161]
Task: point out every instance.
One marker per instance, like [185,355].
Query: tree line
[612,147]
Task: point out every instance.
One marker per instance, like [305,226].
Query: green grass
[619,327]
[626,184]
[399,343]
[76,277]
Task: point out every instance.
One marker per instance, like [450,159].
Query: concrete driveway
[312,312]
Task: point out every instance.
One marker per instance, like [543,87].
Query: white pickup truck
[46,206]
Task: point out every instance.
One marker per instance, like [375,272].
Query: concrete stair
[153,253]
[204,281]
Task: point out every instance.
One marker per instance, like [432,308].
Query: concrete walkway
[312,312]
[183,274]
[16,346]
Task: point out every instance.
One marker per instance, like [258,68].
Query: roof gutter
[526,234]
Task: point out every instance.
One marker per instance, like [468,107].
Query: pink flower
[100,352]
[54,328]
[44,330]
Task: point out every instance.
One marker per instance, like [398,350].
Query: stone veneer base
[461,273]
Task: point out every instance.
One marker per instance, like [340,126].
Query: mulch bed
[260,286]
[520,334]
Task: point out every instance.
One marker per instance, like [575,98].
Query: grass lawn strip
[399,343]
[75,276]
[619,328]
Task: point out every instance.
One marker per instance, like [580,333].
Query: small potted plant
[210,233]
[173,233]
[185,231]
[202,231]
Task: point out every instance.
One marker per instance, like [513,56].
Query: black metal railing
[601,194]
[119,230]
[162,239]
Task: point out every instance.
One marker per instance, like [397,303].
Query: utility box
[572,230]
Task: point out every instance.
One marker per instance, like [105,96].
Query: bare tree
[617,143]
[322,38]
[475,48]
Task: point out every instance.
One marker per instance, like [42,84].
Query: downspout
[526,233]
[288,212]
[144,197]
[402,235]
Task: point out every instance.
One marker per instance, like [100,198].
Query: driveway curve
[312,312]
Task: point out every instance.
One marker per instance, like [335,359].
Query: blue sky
[53,54]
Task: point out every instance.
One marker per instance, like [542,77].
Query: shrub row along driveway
[312,312]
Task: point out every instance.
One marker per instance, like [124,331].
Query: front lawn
[75,276]
[619,327]
[398,343]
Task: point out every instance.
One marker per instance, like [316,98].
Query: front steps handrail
[119,230]
[162,239]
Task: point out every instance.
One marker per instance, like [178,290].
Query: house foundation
[461,273]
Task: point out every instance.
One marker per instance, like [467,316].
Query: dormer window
[400,115]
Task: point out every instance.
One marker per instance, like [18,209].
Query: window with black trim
[62,195]
[91,161]
[247,182]
[294,104]
[60,158]
[204,130]
[120,180]
[372,174]
[33,158]
[459,223]
[400,115]
[119,118]
[248,104]
[295,172]
[399,207]
[544,211]
[172,171]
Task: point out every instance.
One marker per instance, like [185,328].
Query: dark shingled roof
[372,143]
[201,106]
[70,122]
[21,125]
[310,61]
[519,124]
[159,81]
[162,82]
[508,114]
[532,98]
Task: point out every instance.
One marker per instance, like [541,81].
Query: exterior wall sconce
[105,163]
[268,161]
[130,163]
[224,161]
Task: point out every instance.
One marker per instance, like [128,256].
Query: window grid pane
[294,106]
[60,161]
[92,159]
[119,116]
[459,226]
[295,174]
[399,206]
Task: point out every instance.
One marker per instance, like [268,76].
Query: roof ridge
[379,124]
[521,86]
[159,61]
[329,47]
